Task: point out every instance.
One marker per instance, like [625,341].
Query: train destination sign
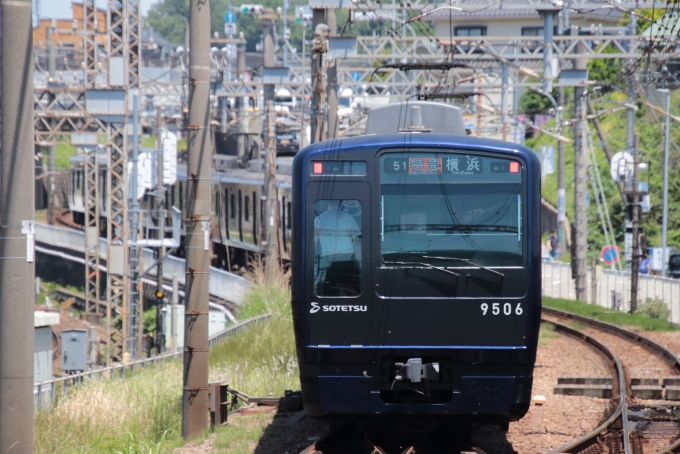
[447,165]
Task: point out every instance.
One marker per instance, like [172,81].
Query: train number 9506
[502,309]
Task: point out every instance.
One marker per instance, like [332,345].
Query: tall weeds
[142,413]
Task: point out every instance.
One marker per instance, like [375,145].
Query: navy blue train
[416,285]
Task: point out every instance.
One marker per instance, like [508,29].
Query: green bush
[655,309]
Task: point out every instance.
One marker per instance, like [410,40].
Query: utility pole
[198,217]
[159,198]
[664,226]
[271,238]
[561,191]
[332,88]
[504,98]
[173,313]
[134,312]
[319,49]
[51,69]
[580,239]
[241,104]
[17,228]
[635,199]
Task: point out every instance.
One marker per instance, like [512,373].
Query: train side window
[181,199]
[289,222]
[233,206]
[247,204]
[255,217]
[337,248]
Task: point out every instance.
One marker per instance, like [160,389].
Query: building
[65,32]
[502,22]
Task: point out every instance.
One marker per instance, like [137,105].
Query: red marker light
[514,167]
[318,167]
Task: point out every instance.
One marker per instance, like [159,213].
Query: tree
[170,19]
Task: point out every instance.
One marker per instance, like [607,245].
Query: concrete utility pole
[580,239]
[504,98]
[319,49]
[17,229]
[561,191]
[271,238]
[241,104]
[664,226]
[268,18]
[198,217]
[51,167]
[332,88]
[635,202]
[160,214]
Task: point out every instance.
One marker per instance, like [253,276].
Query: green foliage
[149,320]
[170,19]
[532,102]
[651,150]
[615,317]
[655,309]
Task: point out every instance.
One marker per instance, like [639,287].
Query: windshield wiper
[426,265]
[468,262]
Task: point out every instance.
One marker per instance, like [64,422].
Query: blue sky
[61,9]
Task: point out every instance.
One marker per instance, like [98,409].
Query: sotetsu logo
[337,308]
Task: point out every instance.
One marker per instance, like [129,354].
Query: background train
[236,202]
[416,274]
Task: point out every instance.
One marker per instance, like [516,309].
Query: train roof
[424,116]
[416,140]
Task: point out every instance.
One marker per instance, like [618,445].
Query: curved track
[623,383]
[614,424]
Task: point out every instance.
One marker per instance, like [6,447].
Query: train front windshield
[445,209]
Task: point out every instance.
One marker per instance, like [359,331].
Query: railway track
[349,439]
[63,218]
[634,427]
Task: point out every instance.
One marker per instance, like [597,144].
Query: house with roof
[502,22]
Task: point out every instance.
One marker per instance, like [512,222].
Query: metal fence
[45,393]
[223,284]
[611,289]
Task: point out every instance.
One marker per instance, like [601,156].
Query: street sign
[230,17]
[356,76]
[621,166]
[610,254]
[229,29]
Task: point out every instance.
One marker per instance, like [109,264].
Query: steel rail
[645,341]
[621,412]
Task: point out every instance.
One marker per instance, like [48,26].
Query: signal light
[318,168]
[514,167]
[160,294]
[251,9]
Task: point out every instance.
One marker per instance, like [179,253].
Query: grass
[614,317]
[142,414]
[139,414]
[262,360]
[546,333]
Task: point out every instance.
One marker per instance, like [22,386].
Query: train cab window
[337,248]
[451,210]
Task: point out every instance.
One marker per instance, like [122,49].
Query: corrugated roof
[512,8]
[667,26]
